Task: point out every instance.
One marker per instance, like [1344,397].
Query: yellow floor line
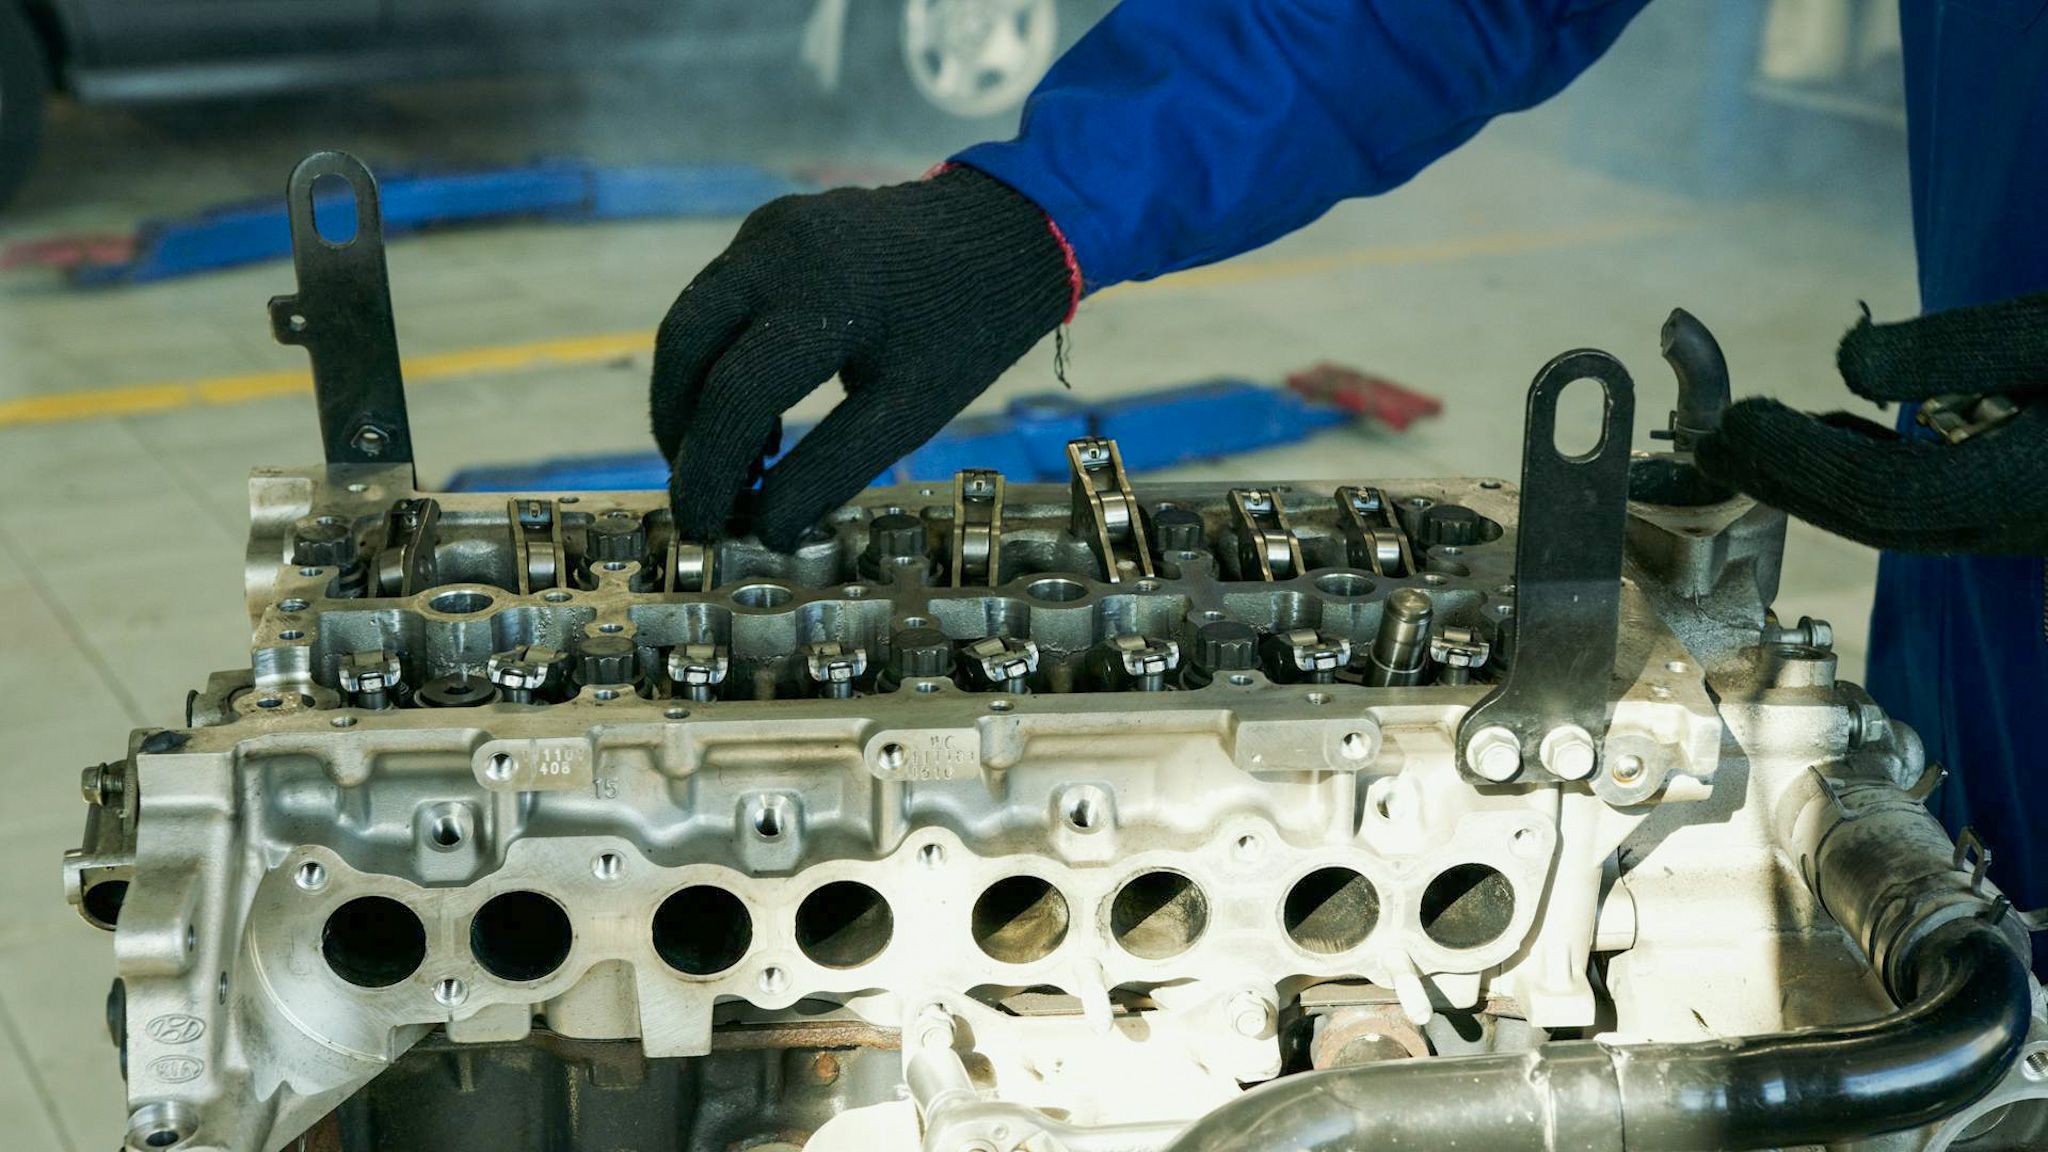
[137,399]
[1506,243]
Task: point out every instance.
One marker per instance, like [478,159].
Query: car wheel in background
[23,87]
[973,59]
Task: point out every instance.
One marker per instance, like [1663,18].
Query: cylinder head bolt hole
[844,924]
[163,1124]
[702,930]
[1330,910]
[520,936]
[1467,906]
[1020,919]
[373,942]
[1157,915]
[460,603]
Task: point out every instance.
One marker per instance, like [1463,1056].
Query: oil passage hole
[844,924]
[334,209]
[1330,910]
[445,829]
[1158,914]
[1579,418]
[702,930]
[520,936]
[1020,919]
[373,942]
[1467,906]
[103,901]
[1085,809]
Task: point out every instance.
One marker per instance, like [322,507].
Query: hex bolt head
[1452,524]
[1494,753]
[1177,530]
[1227,646]
[896,537]
[323,541]
[605,660]
[920,653]
[1568,752]
[614,537]
[1251,1015]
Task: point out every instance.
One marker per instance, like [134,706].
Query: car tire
[24,85]
[927,68]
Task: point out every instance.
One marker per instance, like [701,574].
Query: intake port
[1330,910]
[702,930]
[520,936]
[373,942]
[844,924]
[1019,919]
[1156,915]
[1467,906]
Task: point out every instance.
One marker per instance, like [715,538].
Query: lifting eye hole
[1579,419]
[334,209]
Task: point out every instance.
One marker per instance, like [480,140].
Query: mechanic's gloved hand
[917,295]
[1988,493]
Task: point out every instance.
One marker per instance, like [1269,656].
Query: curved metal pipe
[1967,1021]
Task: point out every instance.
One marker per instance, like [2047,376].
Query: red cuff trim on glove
[1073,270]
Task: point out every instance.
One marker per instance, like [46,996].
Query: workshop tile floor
[121,536]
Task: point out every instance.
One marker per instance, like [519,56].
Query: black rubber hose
[1967,1017]
[1968,1009]
[1696,359]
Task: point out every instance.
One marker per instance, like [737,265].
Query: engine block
[998,817]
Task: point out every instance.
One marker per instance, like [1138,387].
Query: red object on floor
[67,252]
[1363,394]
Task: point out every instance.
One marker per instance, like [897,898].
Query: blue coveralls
[1181,132]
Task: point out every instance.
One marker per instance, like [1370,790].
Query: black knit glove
[917,295]
[1987,493]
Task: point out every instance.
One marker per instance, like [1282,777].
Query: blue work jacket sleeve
[1181,132]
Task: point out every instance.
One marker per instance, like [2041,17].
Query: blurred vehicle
[965,59]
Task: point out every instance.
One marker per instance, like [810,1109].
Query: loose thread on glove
[1060,349]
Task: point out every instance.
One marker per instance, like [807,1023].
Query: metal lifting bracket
[341,316]
[1547,718]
